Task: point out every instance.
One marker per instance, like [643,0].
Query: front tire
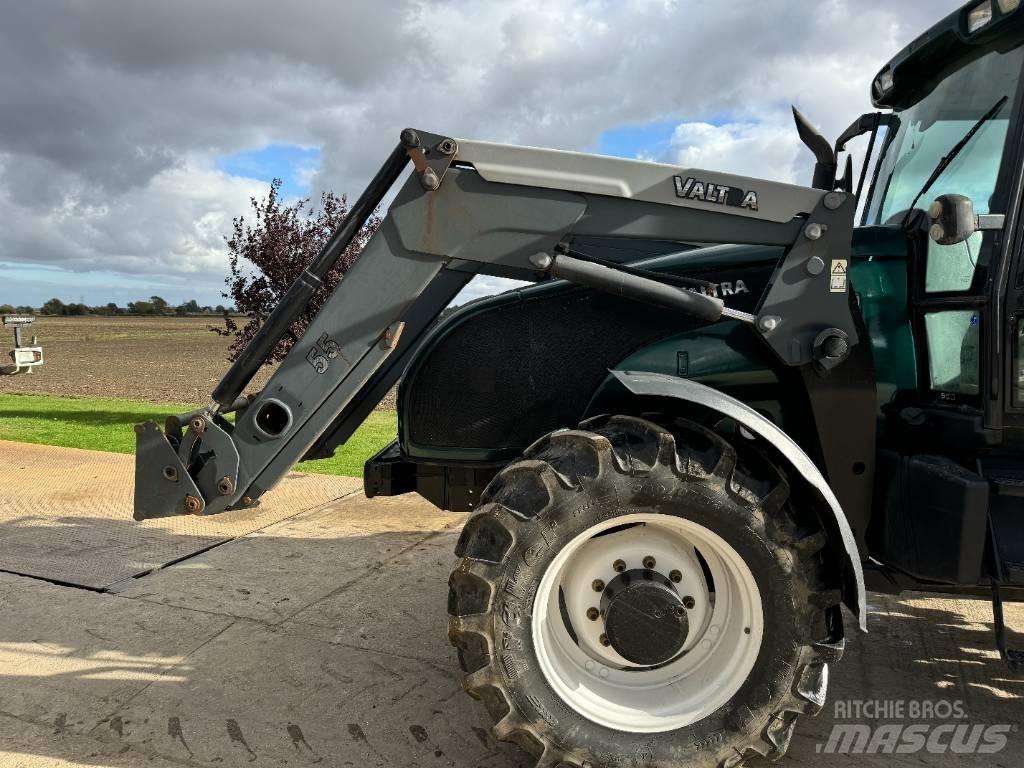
[640,594]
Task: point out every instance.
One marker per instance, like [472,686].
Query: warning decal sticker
[838,278]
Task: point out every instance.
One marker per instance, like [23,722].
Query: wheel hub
[681,673]
[644,617]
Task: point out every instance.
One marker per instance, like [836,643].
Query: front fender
[839,530]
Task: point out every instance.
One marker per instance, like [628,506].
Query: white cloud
[174,225]
[761,150]
[114,114]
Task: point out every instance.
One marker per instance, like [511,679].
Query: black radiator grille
[507,376]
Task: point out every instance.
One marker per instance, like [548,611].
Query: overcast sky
[132,133]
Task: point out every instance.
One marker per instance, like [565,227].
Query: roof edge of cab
[944,48]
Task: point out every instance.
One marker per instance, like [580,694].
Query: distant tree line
[155,305]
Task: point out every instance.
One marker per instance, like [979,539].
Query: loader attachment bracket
[163,486]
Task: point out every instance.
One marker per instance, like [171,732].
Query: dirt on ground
[157,359]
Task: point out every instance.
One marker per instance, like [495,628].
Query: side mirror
[954,221]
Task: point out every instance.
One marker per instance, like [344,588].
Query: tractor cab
[955,131]
[947,334]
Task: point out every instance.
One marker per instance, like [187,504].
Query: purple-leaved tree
[267,253]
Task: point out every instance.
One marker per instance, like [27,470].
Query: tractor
[726,408]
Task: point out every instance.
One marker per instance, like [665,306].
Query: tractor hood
[526,361]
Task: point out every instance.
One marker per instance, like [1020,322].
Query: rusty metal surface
[66,516]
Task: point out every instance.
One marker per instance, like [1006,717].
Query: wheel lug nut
[619,566]
[650,562]
[680,610]
[605,641]
[598,585]
[676,576]
[593,614]
[689,602]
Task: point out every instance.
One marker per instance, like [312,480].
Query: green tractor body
[940,321]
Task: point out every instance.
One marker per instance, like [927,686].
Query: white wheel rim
[718,655]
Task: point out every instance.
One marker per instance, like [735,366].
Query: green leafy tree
[53,307]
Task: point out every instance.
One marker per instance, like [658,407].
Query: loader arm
[473,208]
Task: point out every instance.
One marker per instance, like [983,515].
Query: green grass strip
[99,424]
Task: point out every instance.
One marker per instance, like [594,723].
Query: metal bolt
[815,265]
[769,322]
[650,562]
[247,500]
[680,610]
[619,566]
[746,630]
[448,147]
[593,614]
[814,231]
[225,486]
[198,424]
[935,210]
[193,505]
[170,472]
[598,585]
[541,260]
[689,602]
[409,138]
[429,180]
[676,576]
[835,347]
[605,641]
[834,200]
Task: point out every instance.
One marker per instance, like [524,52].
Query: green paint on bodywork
[878,273]
[727,355]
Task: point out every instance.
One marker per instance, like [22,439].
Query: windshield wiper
[945,162]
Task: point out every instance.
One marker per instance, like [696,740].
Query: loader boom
[473,208]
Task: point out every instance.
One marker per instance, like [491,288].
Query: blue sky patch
[634,140]
[647,139]
[291,163]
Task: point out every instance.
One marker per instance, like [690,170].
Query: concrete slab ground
[320,640]
[67,516]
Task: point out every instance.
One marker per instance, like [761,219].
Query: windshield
[931,127]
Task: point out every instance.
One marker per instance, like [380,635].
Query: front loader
[680,461]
